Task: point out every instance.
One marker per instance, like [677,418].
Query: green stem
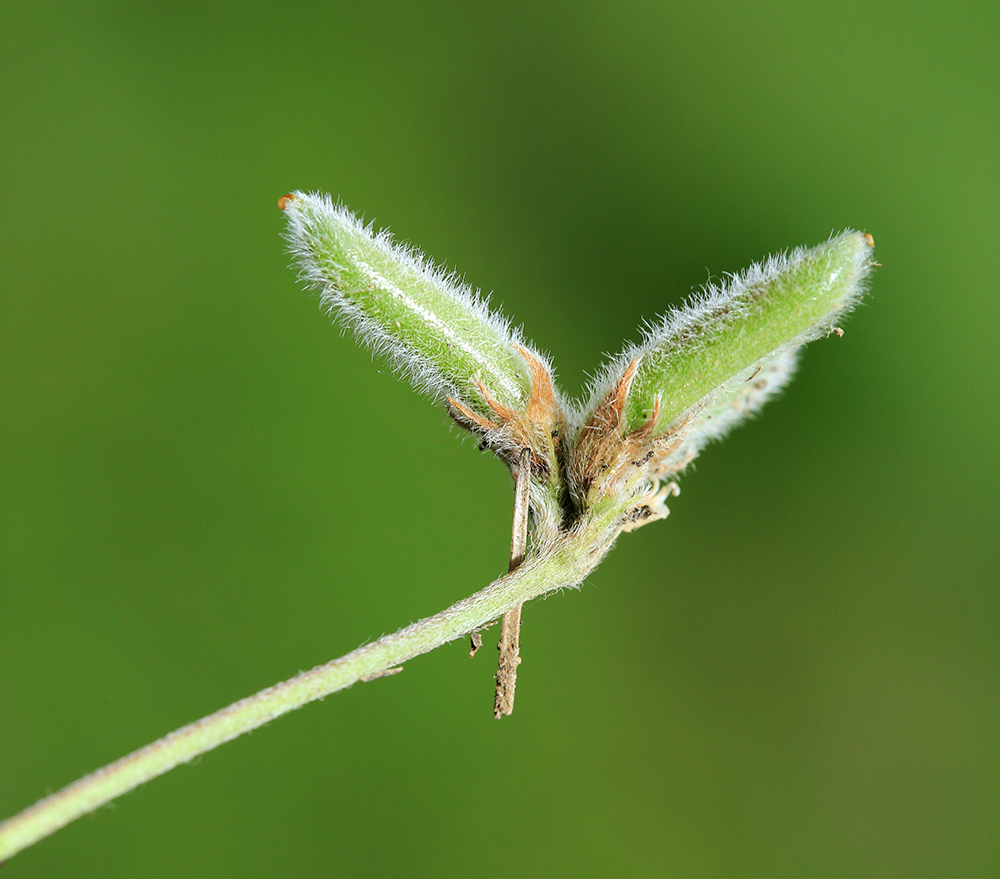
[564,563]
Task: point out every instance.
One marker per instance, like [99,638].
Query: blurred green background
[204,488]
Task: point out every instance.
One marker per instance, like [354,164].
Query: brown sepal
[539,427]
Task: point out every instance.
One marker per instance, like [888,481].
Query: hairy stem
[565,562]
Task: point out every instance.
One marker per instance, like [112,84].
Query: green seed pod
[705,367]
[434,330]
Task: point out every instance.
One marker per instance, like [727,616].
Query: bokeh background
[205,488]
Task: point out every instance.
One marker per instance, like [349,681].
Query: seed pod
[433,329]
[705,367]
